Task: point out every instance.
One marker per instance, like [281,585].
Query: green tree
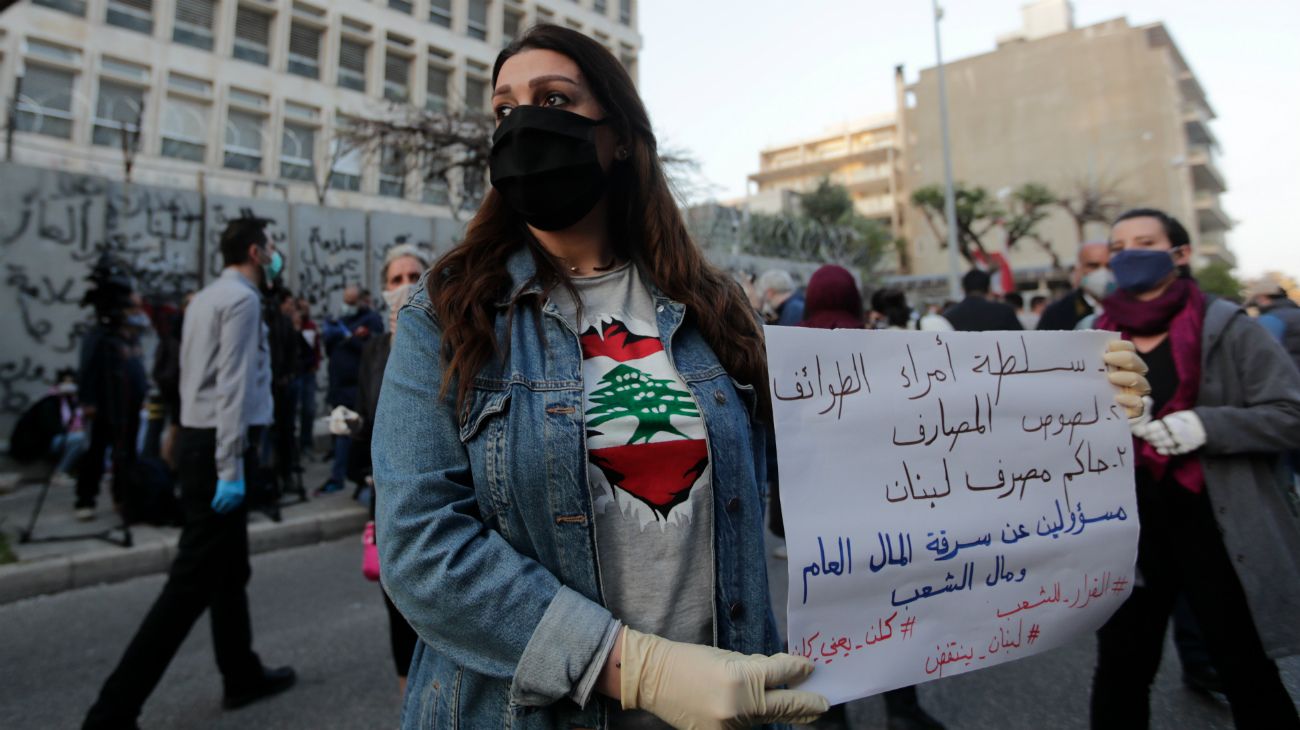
[1028,206]
[828,229]
[626,392]
[1217,278]
[977,213]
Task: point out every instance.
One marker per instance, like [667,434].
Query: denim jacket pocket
[487,402]
[484,433]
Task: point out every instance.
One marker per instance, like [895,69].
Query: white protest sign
[952,501]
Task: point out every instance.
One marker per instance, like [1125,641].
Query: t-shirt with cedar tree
[648,467]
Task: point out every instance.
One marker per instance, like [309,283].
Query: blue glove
[229,495]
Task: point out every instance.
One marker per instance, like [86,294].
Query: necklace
[595,269]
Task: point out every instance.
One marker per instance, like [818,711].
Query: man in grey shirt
[225,384]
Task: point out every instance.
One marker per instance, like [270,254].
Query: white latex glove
[344,421]
[1127,372]
[690,686]
[1178,433]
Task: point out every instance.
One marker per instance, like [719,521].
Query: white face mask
[395,298]
[1099,283]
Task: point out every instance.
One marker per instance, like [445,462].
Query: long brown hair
[645,227]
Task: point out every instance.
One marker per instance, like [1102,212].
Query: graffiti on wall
[54,227]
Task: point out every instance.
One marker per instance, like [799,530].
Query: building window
[252,36]
[345,172]
[352,64]
[193,26]
[627,56]
[118,110]
[397,77]
[436,191]
[184,129]
[243,141]
[599,6]
[440,12]
[476,25]
[131,14]
[402,6]
[625,12]
[512,22]
[392,173]
[76,7]
[304,50]
[45,106]
[436,87]
[298,153]
[472,188]
[545,16]
[476,97]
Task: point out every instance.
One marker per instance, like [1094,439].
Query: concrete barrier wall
[54,226]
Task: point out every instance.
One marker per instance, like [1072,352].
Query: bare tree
[1091,201]
[450,147]
[688,183]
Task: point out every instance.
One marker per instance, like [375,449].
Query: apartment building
[242,97]
[863,156]
[1108,106]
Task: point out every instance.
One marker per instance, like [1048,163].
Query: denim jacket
[485,523]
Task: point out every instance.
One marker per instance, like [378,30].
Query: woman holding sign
[1217,523]
[566,456]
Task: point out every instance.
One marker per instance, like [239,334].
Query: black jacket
[977,314]
[374,358]
[1066,312]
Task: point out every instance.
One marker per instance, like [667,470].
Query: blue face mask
[273,269]
[1140,270]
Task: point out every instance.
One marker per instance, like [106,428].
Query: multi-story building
[238,96]
[1110,107]
[863,156]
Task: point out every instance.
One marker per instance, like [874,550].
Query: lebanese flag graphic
[644,431]
[660,474]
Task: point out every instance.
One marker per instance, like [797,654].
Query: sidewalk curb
[115,564]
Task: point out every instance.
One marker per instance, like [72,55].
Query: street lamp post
[949,197]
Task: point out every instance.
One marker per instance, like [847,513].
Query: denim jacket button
[720,397]
[659,308]
[737,610]
[733,504]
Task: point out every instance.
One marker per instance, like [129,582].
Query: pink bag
[369,553]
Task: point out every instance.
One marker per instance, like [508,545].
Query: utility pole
[949,197]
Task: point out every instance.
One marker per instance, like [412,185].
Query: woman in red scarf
[1217,527]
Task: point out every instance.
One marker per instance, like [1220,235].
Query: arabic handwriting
[822,566]
[887,551]
[910,490]
[1012,364]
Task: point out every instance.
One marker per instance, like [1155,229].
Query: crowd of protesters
[522,576]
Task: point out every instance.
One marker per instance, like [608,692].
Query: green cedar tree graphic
[628,392]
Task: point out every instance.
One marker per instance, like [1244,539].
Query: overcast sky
[725,78]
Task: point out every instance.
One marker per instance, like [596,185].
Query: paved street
[311,608]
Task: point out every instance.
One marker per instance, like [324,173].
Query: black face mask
[544,164]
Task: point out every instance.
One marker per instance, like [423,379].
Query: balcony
[1205,174]
[1211,248]
[1196,122]
[811,160]
[1210,217]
